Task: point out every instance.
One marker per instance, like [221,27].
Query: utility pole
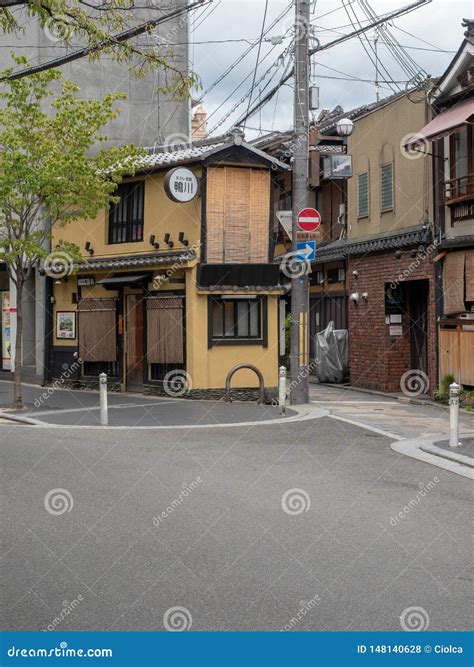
[299,357]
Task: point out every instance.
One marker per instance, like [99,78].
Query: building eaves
[328,125]
[342,249]
[199,152]
[134,261]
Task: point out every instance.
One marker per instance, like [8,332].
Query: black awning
[127,280]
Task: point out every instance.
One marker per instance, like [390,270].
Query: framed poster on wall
[66,325]
[6,332]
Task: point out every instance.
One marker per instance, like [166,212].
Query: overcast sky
[435,34]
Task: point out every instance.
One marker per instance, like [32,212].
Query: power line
[258,55]
[375,62]
[110,41]
[391,15]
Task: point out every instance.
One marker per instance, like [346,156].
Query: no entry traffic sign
[309,219]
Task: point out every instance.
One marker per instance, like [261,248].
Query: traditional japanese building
[177,285]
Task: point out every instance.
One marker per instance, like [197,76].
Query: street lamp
[344,127]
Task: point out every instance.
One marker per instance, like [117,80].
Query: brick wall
[378,360]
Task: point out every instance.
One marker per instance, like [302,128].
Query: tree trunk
[18,398]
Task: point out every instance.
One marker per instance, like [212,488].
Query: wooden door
[134,346]
[418,313]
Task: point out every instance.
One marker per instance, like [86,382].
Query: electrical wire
[245,54]
[258,55]
[376,62]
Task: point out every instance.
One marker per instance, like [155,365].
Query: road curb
[449,455]
[303,414]
[416,449]
[19,419]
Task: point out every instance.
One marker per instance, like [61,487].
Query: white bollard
[282,390]
[454,391]
[104,417]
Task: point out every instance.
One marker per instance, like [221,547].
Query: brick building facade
[381,351]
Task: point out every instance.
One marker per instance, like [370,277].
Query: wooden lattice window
[97,329]
[126,217]
[165,335]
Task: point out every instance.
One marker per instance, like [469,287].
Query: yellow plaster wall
[63,302]
[377,140]
[161,216]
[209,368]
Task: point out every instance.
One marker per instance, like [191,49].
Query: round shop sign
[181,185]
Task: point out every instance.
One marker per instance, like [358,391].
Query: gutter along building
[173,294]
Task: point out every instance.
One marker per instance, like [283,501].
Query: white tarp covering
[332,354]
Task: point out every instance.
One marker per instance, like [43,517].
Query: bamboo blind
[97,329]
[469,275]
[259,218]
[215,214]
[453,283]
[165,330]
[237,216]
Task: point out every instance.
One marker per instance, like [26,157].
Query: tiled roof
[135,261]
[185,154]
[199,151]
[328,124]
[240,290]
[345,248]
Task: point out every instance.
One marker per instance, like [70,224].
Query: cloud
[438,24]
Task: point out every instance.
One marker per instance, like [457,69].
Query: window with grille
[235,319]
[126,217]
[363,195]
[386,187]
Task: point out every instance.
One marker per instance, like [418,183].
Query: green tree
[49,178]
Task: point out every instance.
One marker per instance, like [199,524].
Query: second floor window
[363,195]
[126,217]
[386,187]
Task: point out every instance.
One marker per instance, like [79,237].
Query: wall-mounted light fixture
[168,241]
[154,242]
[398,254]
[88,248]
[354,297]
[355,274]
[365,296]
[182,240]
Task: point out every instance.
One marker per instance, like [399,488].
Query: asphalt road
[248,528]
[82,408]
